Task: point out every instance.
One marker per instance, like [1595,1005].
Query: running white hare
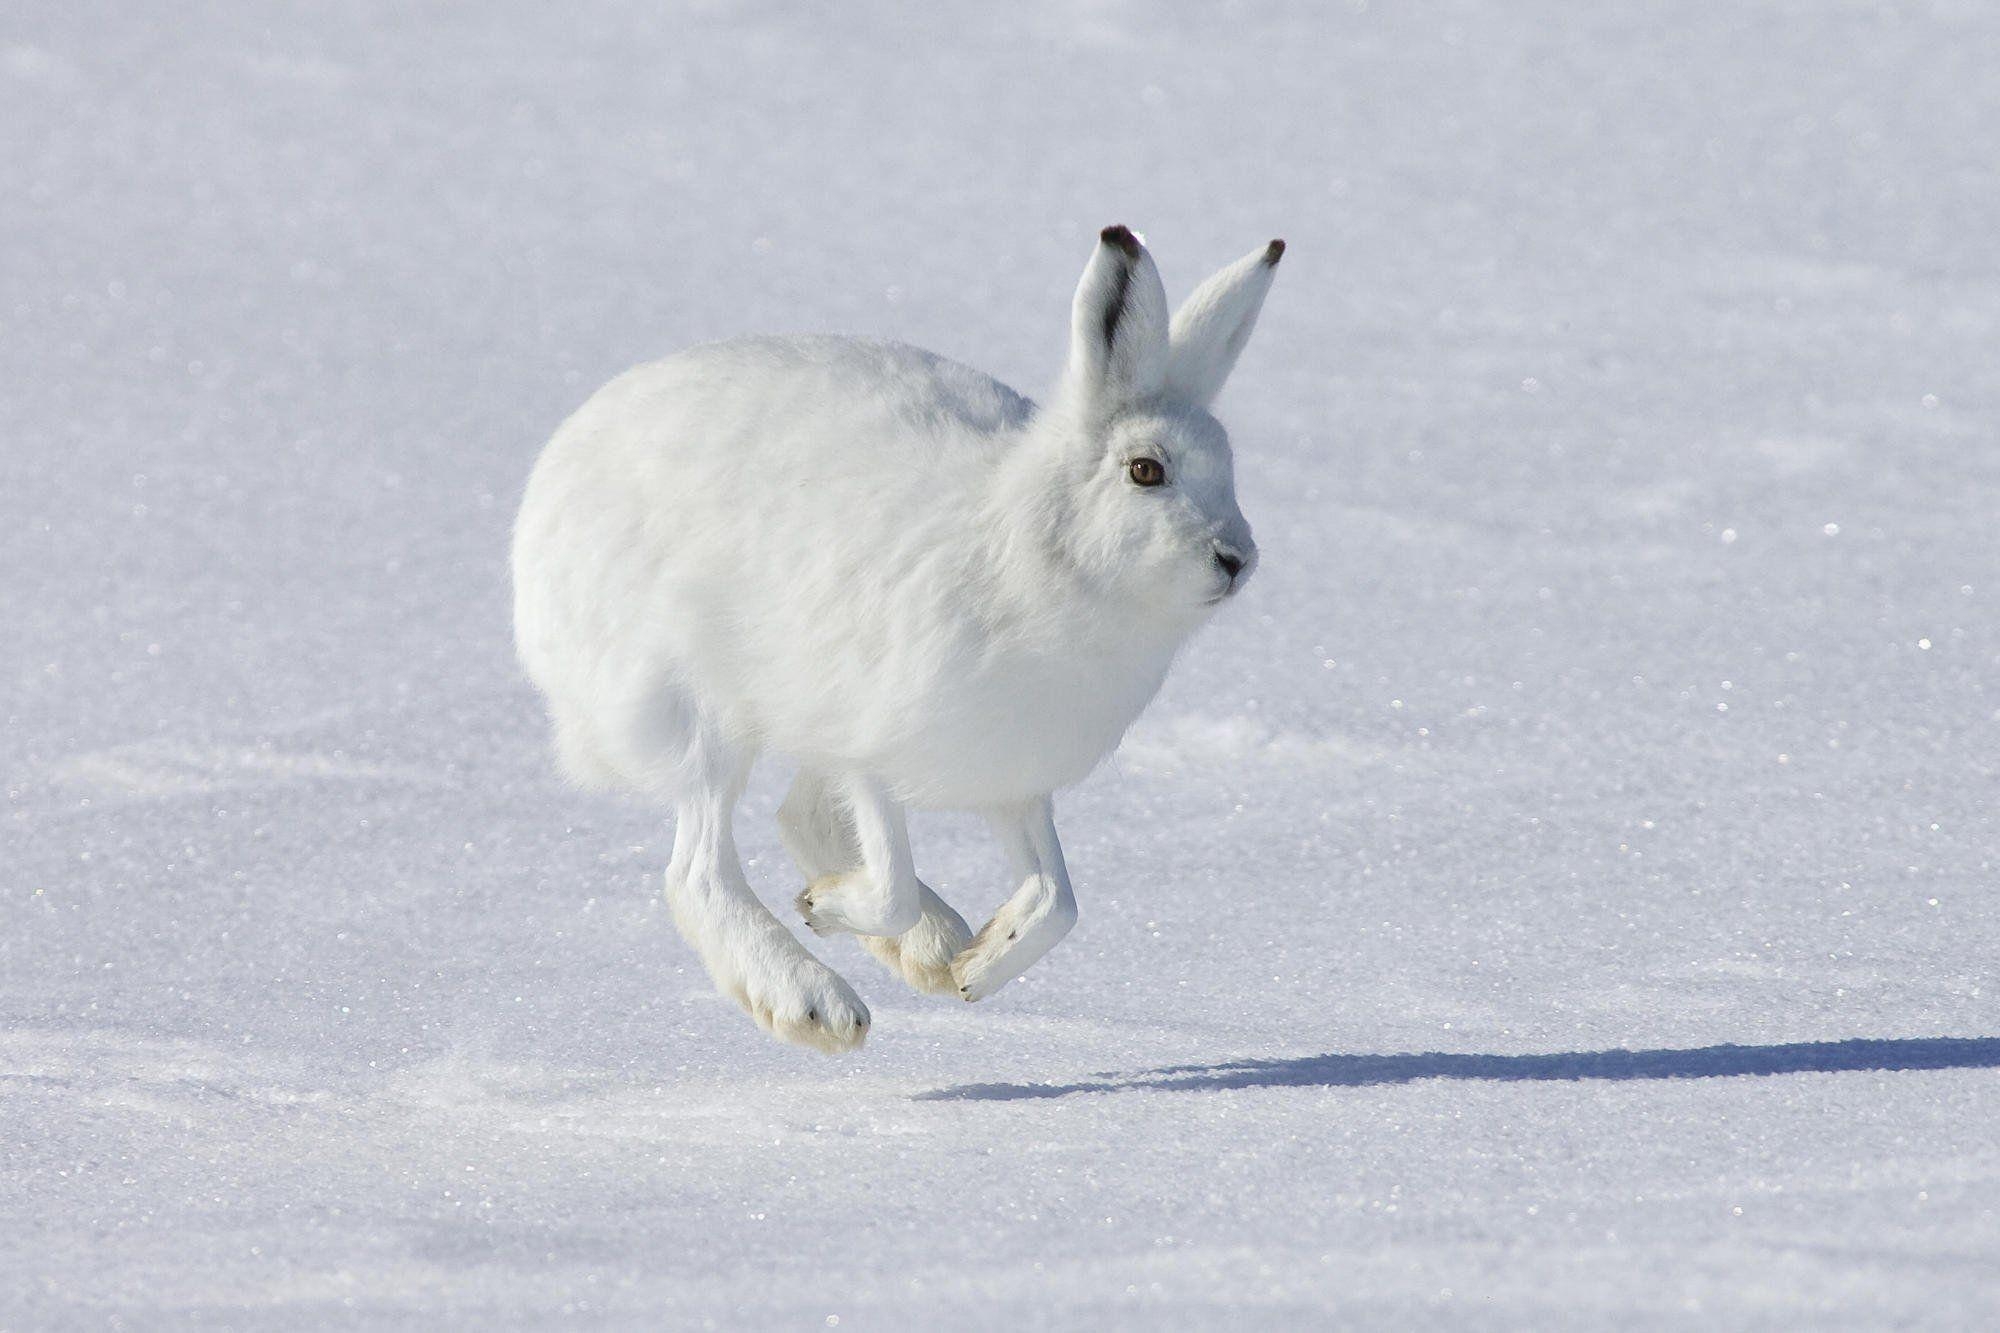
[903,575]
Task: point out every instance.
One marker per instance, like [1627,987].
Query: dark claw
[1013,934]
[812,1015]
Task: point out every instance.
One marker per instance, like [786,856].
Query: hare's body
[902,575]
[676,563]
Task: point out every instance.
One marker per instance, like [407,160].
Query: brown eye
[1146,472]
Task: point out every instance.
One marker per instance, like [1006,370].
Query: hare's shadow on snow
[1360,1071]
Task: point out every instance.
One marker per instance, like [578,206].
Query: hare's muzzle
[1235,566]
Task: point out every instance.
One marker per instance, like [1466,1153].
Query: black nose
[1231,565]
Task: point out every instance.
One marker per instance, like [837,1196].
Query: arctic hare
[895,570]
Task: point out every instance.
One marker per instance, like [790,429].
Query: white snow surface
[1559,893]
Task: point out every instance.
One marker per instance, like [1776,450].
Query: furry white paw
[980,968]
[803,1002]
[817,911]
[922,955]
[1028,926]
[853,903]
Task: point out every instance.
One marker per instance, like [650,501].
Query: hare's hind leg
[752,957]
[1031,922]
[850,841]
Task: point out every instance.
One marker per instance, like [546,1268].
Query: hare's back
[840,398]
[726,514]
[916,388]
[776,434]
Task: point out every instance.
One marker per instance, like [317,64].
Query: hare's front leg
[878,894]
[820,825]
[1031,922]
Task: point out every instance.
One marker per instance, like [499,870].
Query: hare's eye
[1146,472]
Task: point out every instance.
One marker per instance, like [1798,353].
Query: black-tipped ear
[1213,324]
[1118,325]
[1124,238]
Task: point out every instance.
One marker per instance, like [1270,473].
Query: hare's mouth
[1231,564]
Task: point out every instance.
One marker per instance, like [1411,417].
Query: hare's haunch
[921,587]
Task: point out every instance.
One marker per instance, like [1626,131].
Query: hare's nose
[1232,563]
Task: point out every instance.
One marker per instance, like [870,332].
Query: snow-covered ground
[1560,893]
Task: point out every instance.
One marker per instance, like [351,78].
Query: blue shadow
[1361,1071]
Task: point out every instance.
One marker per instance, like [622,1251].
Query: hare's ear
[1212,325]
[1118,326]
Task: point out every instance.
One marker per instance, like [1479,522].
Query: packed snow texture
[1560,892]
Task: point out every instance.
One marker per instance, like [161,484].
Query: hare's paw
[802,1001]
[1028,926]
[814,910]
[983,966]
[853,903]
[819,903]
[922,954]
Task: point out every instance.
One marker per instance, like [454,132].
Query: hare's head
[1146,477]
